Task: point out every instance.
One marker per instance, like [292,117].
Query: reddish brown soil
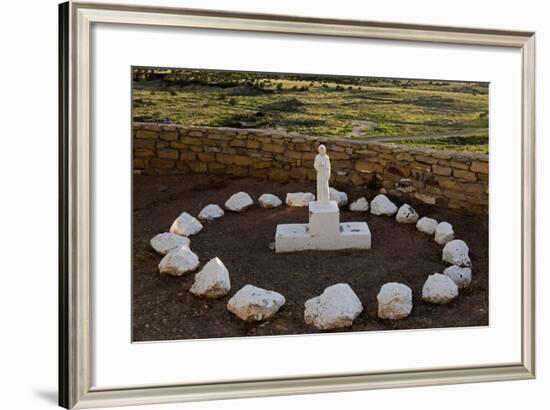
[163,309]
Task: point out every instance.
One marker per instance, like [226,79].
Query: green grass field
[452,114]
[476,144]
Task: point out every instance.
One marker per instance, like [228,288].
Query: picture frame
[75,210]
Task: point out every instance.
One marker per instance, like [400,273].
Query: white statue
[322,165]
[324,231]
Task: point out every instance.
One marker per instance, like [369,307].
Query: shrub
[290,105]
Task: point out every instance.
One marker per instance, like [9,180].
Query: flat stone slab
[297,237]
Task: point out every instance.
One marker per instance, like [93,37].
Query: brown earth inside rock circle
[163,308]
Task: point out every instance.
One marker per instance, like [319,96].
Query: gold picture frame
[76,20]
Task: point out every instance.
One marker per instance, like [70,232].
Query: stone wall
[442,178]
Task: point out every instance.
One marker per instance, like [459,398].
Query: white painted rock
[165,242]
[361,205]
[299,199]
[340,197]
[444,233]
[179,261]
[381,205]
[406,215]
[211,212]
[394,301]
[336,308]
[186,225]
[254,304]
[269,201]
[212,281]
[456,253]
[461,276]
[426,225]
[439,289]
[239,202]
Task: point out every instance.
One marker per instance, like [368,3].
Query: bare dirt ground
[163,309]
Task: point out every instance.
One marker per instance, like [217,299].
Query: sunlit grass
[324,108]
[477,144]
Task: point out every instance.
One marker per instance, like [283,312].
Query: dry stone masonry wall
[442,178]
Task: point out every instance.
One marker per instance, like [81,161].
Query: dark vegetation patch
[290,105]
[436,102]
[247,90]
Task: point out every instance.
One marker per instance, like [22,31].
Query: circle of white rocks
[338,306]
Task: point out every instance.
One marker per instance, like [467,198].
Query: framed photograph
[256,205]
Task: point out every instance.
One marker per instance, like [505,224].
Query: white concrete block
[324,218]
[297,237]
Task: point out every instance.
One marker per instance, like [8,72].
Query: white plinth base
[323,233]
[297,237]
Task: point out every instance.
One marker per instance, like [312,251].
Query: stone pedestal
[324,218]
[324,231]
